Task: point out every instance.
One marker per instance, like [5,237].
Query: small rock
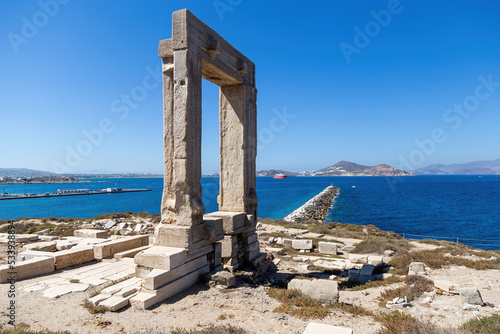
[334,277]
[469,307]
[471,296]
[389,252]
[258,225]
[348,248]
[276,261]
[448,308]
[448,255]
[428,300]
[417,268]
[271,240]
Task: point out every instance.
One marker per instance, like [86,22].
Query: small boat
[280,176]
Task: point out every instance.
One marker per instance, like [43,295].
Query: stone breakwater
[316,208]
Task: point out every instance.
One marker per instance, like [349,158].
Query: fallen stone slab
[48,237]
[326,291]
[45,246]
[274,250]
[114,303]
[375,260]
[91,233]
[72,257]
[110,248]
[110,224]
[113,289]
[147,298]
[316,328]
[417,268]
[358,258]
[367,270]
[24,269]
[329,248]
[60,290]
[224,278]
[348,248]
[312,235]
[97,299]
[471,296]
[159,277]
[302,244]
[335,265]
[161,257]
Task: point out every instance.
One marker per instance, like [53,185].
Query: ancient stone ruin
[188,242]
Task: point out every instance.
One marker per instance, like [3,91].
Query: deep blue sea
[445,207]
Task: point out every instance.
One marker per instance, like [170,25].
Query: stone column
[238,148]
[187,142]
[168,213]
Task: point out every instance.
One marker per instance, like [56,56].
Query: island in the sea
[344,168]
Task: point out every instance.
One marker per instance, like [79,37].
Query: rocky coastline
[316,208]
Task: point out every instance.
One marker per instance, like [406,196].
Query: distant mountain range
[344,168]
[491,167]
[24,172]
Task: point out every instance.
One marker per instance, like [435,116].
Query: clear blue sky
[364,81]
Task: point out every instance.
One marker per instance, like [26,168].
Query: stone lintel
[189,32]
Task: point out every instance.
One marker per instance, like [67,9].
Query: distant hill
[24,172]
[344,168]
[491,167]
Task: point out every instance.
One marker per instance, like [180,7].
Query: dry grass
[484,325]
[298,305]
[353,309]
[93,309]
[379,244]
[211,329]
[436,259]
[413,288]
[350,285]
[22,328]
[402,323]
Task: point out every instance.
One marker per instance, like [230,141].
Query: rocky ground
[249,306]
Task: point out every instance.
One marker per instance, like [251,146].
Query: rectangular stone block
[229,246]
[90,233]
[160,257]
[367,270]
[160,277]
[110,248]
[28,268]
[72,257]
[146,299]
[233,222]
[305,244]
[329,248]
[357,258]
[251,247]
[251,238]
[114,303]
[252,254]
